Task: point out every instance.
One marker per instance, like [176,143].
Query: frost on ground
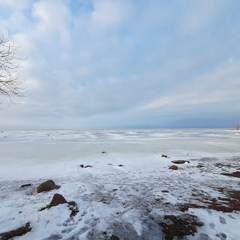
[120,199]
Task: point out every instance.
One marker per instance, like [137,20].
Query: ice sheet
[129,188]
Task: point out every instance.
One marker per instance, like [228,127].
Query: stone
[85,166]
[73,207]
[164,156]
[57,199]
[26,185]
[180,161]
[173,167]
[165,191]
[16,232]
[234,174]
[200,165]
[47,186]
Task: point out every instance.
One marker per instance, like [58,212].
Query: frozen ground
[128,192]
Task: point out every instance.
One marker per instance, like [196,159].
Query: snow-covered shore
[128,191]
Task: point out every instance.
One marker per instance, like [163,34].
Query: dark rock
[120,165]
[173,167]
[180,161]
[234,174]
[103,152]
[47,186]
[85,166]
[73,207]
[57,199]
[200,165]
[165,191]
[164,156]
[26,185]
[16,232]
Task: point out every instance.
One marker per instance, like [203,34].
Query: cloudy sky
[106,64]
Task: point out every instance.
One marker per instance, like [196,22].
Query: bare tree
[10,82]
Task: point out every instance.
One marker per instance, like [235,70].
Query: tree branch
[10,82]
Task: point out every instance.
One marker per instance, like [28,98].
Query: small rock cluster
[57,198]
[174,167]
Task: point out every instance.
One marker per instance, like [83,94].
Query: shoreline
[130,200]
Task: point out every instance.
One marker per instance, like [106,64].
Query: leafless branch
[10,82]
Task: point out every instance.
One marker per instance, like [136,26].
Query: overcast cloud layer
[124,63]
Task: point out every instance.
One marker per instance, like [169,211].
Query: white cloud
[109,14]
[16,20]
[215,87]
[16,5]
[198,14]
[53,17]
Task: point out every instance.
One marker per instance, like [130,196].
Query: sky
[117,64]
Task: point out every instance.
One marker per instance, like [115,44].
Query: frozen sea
[60,145]
[128,189]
